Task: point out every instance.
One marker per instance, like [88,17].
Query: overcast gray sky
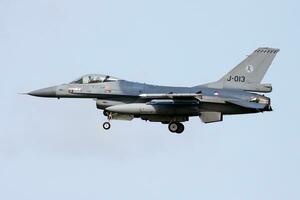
[56,149]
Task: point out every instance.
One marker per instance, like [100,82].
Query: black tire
[106,125]
[180,128]
[173,127]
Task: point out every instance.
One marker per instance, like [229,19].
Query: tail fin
[249,73]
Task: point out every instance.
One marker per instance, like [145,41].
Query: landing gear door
[209,117]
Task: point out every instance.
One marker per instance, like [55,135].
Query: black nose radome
[45,92]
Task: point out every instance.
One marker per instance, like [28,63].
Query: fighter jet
[238,92]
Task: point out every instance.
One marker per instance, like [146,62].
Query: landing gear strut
[105,113]
[176,127]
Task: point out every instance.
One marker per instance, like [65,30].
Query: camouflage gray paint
[125,100]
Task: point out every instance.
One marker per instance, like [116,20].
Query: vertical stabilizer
[249,72]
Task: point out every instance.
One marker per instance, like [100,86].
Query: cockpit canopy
[94,78]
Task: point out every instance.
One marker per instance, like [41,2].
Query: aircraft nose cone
[45,92]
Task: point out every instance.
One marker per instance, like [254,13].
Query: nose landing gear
[107,125]
[176,127]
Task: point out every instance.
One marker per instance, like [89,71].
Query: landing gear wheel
[176,127]
[180,128]
[106,125]
[173,127]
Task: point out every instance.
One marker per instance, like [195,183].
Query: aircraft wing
[247,104]
[171,98]
[184,96]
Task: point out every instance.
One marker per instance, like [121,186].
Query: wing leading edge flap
[209,117]
[247,104]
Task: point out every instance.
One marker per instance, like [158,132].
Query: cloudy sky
[56,149]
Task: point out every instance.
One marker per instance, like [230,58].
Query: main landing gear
[176,127]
